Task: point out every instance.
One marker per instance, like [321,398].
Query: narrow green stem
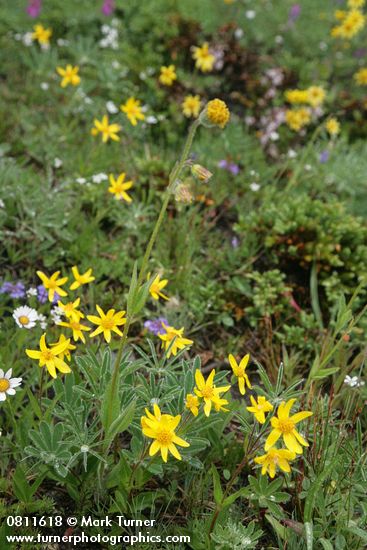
[129,318]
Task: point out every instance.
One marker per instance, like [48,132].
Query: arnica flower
[204,59]
[216,113]
[191,106]
[316,95]
[192,403]
[49,357]
[173,340]
[107,130]
[70,310]
[53,284]
[296,96]
[25,317]
[156,287]
[259,408]
[42,35]
[168,75]
[296,119]
[355,4]
[77,328]
[81,279]
[70,347]
[161,428]
[285,426]
[275,458]
[209,392]
[107,322]
[361,77]
[133,110]
[332,126]
[8,384]
[69,75]
[119,187]
[352,22]
[239,370]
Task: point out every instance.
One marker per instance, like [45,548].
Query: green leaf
[280,530]
[326,544]
[122,421]
[309,535]
[316,488]
[218,493]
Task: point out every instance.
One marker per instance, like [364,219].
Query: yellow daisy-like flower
[168,75]
[239,370]
[161,428]
[77,328]
[192,403]
[156,287]
[41,34]
[285,426]
[70,347]
[296,119]
[259,408]
[69,75]
[81,278]
[275,458]
[332,126]
[49,357]
[316,95]
[191,106]
[53,284]
[176,336]
[217,112]
[351,24]
[209,392]
[296,96]
[361,77]
[107,130]
[70,310]
[356,3]
[119,187]
[204,60]
[132,110]
[107,322]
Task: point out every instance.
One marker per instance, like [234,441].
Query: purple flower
[235,242]
[223,164]
[16,290]
[34,8]
[294,13]
[156,325]
[232,167]
[42,295]
[108,7]
[324,156]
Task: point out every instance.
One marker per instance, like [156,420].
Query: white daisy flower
[8,384]
[25,317]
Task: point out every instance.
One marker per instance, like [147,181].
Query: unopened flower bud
[183,193]
[201,173]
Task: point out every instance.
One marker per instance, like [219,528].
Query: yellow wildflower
[297,118]
[81,279]
[356,3]
[69,75]
[173,340]
[209,392]
[285,426]
[168,75]
[217,112]
[260,408]
[70,310]
[273,458]
[107,322]
[108,131]
[53,284]
[70,347]
[191,106]
[351,24]
[315,95]
[204,60]
[157,286]
[361,77]
[332,126]
[192,403]
[42,35]
[161,428]
[49,357]
[296,96]
[132,110]
[240,372]
[119,187]
[77,329]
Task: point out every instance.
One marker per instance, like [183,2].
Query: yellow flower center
[51,284]
[108,323]
[47,355]
[207,392]
[4,384]
[164,437]
[286,426]
[23,320]
[75,326]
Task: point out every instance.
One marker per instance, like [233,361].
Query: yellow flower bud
[201,173]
